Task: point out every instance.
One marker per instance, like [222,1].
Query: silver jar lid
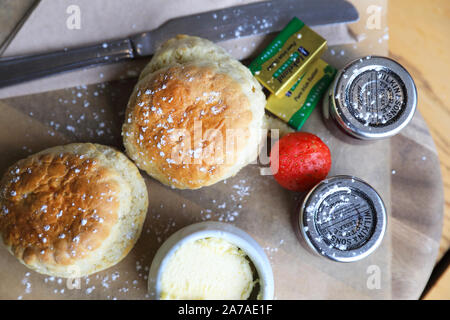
[372,98]
[343,218]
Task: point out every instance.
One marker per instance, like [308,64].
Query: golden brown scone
[72,210]
[184,49]
[197,119]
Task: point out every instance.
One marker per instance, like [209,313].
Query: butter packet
[287,57]
[298,103]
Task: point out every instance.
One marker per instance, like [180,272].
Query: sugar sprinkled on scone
[196,115]
[72,210]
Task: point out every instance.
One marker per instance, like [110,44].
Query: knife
[241,21]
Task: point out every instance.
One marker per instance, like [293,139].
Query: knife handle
[23,68]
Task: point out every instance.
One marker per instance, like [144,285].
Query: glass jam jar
[343,219]
[371,98]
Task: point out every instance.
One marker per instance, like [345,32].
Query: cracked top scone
[72,210]
[195,116]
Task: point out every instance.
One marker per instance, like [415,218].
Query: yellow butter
[210,268]
[297,103]
[287,57]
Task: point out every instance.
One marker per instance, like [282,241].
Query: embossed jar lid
[343,218]
[373,98]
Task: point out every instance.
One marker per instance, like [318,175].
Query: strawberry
[299,161]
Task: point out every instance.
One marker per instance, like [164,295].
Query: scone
[183,49]
[195,116]
[72,210]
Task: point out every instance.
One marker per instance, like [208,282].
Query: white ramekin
[208,229]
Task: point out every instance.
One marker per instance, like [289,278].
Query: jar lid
[343,218]
[373,98]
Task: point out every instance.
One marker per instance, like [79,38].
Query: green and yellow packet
[287,57]
[298,103]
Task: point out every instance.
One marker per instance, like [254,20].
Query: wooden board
[415,222]
[417,209]
[252,201]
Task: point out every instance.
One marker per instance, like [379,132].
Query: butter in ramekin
[207,269]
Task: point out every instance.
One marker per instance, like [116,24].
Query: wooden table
[418,39]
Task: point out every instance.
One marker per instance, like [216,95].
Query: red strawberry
[299,161]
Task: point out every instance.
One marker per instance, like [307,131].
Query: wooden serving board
[405,170]
[415,221]
[417,209]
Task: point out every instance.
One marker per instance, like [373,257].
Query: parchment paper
[103,20]
[253,202]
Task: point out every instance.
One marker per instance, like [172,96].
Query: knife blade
[247,20]
[236,22]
